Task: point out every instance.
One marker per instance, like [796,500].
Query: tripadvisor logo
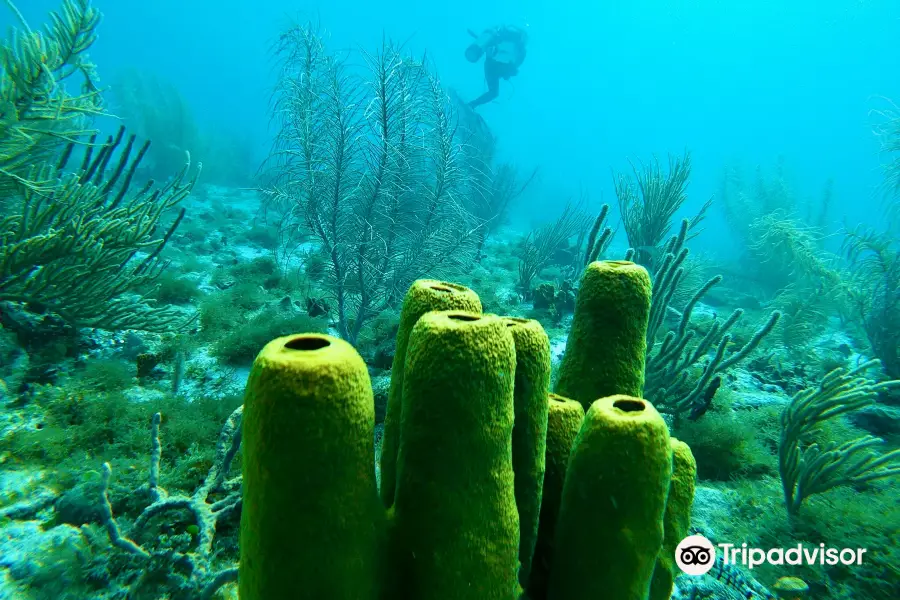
[696,555]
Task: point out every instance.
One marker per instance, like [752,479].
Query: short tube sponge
[607,344]
[530,431]
[677,521]
[424,295]
[310,520]
[454,526]
[610,527]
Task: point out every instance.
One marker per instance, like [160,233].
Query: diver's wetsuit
[504,53]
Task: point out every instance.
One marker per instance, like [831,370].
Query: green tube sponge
[424,295]
[311,521]
[454,526]
[563,423]
[530,430]
[677,520]
[610,526]
[607,344]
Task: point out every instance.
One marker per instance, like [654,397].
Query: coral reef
[428,458]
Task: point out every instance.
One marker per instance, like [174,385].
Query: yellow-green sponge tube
[530,431]
[311,520]
[610,526]
[677,521]
[425,295]
[455,531]
[607,344]
[563,423]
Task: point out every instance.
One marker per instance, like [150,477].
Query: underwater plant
[786,252]
[39,116]
[888,132]
[492,187]
[491,205]
[816,468]
[779,237]
[70,239]
[874,292]
[540,245]
[369,168]
[648,203]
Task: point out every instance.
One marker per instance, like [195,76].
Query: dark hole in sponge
[629,405]
[447,287]
[462,317]
[307,343]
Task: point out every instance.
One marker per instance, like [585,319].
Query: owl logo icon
[695,555]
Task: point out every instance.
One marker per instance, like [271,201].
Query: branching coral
[789,251]
[71,247]
[816,469]
[371,169]
[492,187]
[780,238]
[155,110]
[504,185]
[805,312]
[191,572]
[670,362]
[598,239]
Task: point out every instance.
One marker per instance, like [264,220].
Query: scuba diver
[504,52]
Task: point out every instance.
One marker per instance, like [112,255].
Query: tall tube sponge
[532,404]
[423,296]
[454,529]
[311,523]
